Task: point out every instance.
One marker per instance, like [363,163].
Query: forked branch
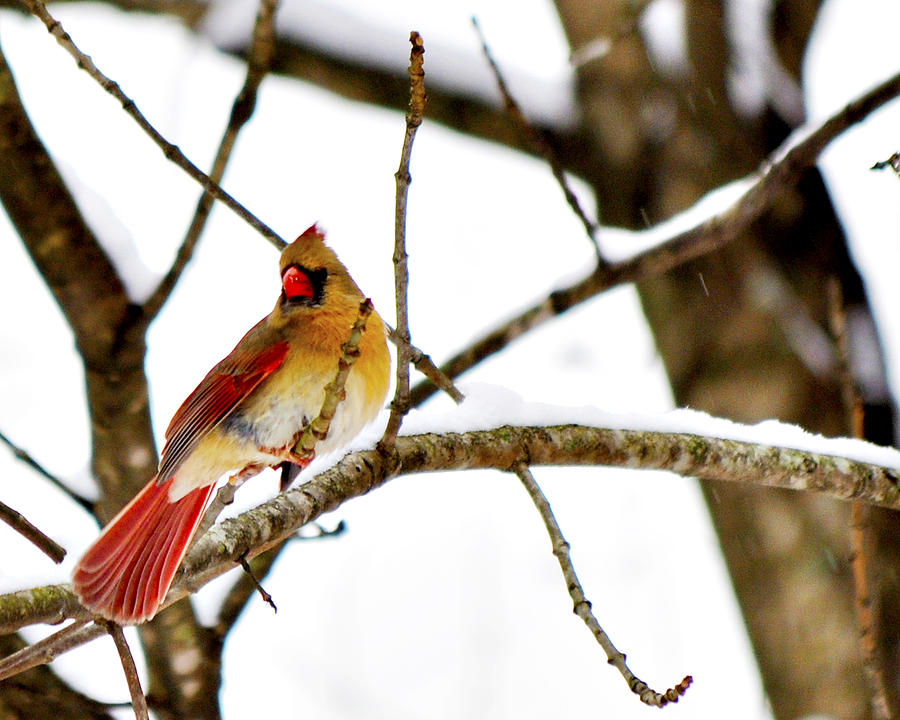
[791,161]
[172,152]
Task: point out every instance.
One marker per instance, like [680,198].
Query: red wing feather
[223,389]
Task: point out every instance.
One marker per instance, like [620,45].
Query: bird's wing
[215,398]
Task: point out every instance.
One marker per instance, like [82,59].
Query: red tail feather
[126,573]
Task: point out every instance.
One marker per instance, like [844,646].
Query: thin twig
[248,572]
[50,648]
[708,236]
[425,365]
[30,532]
[539,143]
[138,700]
[893,162]
[172,152]
[417,99]
[243,589]
[582,606]
[317,430]
[23,455]
[861,532]
[259,61]
[261,565]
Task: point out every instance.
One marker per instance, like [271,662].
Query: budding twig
[417,98]
[317,429]
[582,606]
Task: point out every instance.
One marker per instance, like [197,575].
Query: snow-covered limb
[796,155]
[501,448]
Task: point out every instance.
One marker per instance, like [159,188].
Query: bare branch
[541,147]
[172,152]
[317,429]
[704,238]
[502,448]
[417,98]
[22,455]
[50,648]
[138,701]
[425,365]
[582,606]
[262,50]
[862,536]
[33,534]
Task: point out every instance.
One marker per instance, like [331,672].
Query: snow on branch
[798,154]
[503,448]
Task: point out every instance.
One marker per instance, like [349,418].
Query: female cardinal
[245,415]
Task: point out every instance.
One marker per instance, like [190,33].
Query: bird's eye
[296,284]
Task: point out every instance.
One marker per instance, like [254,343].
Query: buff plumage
[245,415]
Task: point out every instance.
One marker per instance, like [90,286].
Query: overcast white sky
[432,605]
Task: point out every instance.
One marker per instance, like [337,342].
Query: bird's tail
[125,575]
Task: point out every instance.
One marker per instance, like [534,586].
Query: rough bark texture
[112,347]
[39,693]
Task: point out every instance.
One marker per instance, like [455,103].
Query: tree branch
[172,152]
[138,701]
[582,606]
[793,159]
[417,99]
[32,533]
[22,455]
[259,60]
[425,365]
[500,448]
[537,141]
[46,650]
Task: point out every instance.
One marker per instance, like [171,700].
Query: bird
[245,415]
